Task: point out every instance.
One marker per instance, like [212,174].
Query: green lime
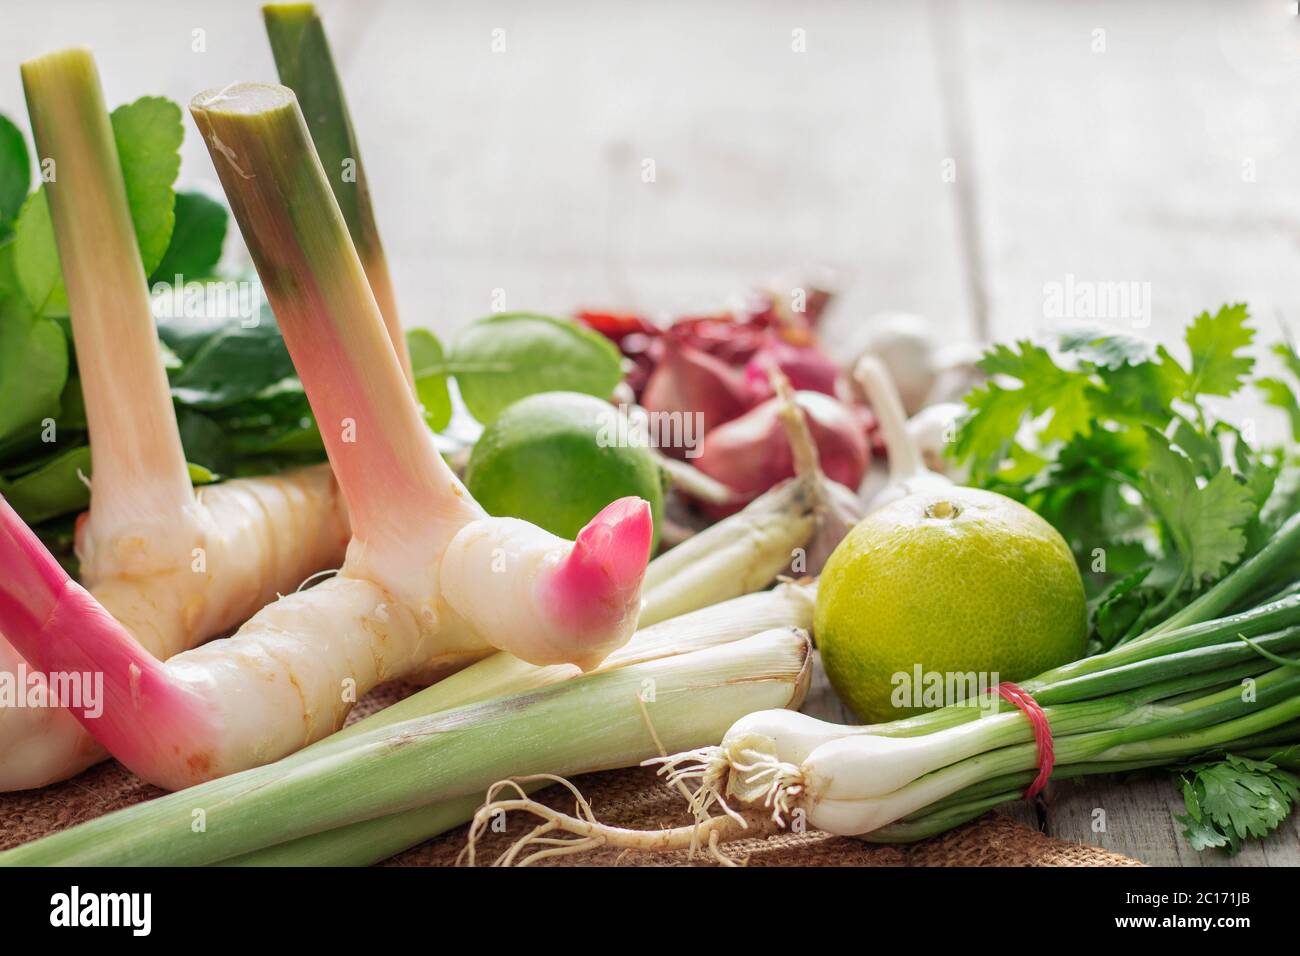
[940,586]
[556,459]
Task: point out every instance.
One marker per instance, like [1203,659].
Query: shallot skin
[752,453]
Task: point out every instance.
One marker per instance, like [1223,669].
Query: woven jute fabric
[629,798]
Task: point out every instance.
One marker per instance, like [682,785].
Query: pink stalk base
[596,590]
[60,629]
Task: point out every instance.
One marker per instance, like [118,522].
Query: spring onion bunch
[1207,684]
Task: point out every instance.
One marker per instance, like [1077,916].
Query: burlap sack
[631,798]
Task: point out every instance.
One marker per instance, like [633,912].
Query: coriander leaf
[196,240]
[15,173]
[1286,351]
[1106,349]
[503,358]
[430,379]
[1276,392]
[1235,799]
[148,134]
[1202,449]
[1214,342]
[996,412]
[1205,523]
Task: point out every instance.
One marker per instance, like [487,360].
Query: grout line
[946,35]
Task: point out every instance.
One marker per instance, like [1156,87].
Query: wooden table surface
[948,158]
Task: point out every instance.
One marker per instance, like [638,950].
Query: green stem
[591,723]
[306,65]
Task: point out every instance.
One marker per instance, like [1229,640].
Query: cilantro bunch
[1114,440]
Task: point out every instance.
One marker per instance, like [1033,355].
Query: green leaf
[1214,342]
[36,258]
[1206,523]
[53,489]
[196,241]
[997,412]
[204,441]
[503,358]
[1277,392]
[224,360]
[1106,349]
[15,173]
[1235,799]
[57,486]
[148,134]
[33,370]
[430,380]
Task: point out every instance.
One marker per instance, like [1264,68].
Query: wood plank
[521,170]
[1162,158]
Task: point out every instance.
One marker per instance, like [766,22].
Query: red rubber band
[1042,733]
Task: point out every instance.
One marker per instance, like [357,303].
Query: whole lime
[942,587]
[556,459]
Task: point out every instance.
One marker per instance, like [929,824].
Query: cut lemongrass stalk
[174,567]
[381,451]
[305,65]
[140,478]
[407,600]
[788,605]
[598,721]
[694,482]
[736,556]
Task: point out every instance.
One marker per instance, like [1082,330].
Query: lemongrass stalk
[789,605]
[377,442]
[738,555]
[370,841]
[140,478]
[305,65]
[418,533]
[420,589]
[595,722]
